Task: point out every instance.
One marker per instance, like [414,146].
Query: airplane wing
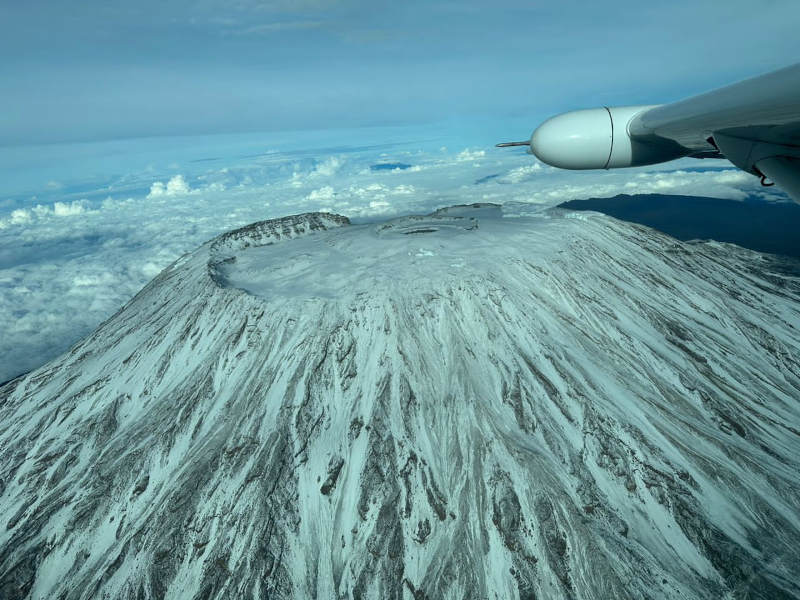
[755,124]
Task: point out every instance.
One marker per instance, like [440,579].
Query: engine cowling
[598,138]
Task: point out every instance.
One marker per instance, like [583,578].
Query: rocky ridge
[480,403]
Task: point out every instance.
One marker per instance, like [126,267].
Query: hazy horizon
[110,70]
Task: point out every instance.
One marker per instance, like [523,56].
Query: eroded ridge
[554,406]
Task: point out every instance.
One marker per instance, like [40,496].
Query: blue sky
[110,69]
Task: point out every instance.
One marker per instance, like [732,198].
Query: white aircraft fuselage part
[754,123]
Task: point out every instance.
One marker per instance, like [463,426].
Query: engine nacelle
[598,138]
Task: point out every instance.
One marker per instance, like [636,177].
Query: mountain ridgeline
[763,226]
[478,403]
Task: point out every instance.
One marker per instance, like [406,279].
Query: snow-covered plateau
[477,403]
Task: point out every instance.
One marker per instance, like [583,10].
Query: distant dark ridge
[14,378]
[487,178]
[754,224]
[389,166]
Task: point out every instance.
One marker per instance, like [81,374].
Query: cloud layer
[73,253]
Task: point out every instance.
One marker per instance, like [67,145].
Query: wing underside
[755,124]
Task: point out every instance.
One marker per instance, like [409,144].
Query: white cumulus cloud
[64,209]
[68,263]
[41,212]
[470,155]
[326,168]
[20,216]
[522,173]
[177,186]
[323,193]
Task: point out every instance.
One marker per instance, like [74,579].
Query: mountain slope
[476,403]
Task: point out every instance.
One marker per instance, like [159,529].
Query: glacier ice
[476,403]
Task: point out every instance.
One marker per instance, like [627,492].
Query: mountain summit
[477,403]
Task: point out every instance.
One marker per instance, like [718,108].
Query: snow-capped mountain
[479,403]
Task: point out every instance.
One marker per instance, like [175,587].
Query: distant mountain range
[755,224]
